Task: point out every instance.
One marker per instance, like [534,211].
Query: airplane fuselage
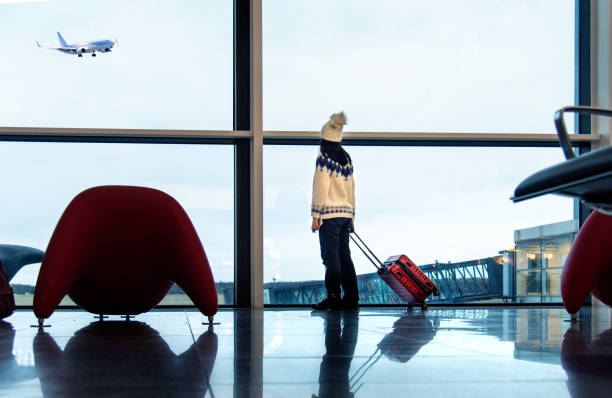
[102,46]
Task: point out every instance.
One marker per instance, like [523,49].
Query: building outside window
[539,255]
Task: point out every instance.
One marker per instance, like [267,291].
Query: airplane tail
[38,44]
[61,40]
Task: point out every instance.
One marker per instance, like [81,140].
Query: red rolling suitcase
[403,276]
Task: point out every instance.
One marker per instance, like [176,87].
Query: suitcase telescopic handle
[356,378]
[364,252]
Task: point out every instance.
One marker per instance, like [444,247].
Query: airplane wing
[56,48]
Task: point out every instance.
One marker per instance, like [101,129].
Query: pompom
[337,120]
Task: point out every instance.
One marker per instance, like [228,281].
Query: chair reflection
[10,371]
[588,366]
[123,358]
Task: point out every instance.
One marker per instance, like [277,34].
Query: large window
[392,66]
[435,204]
[40,179]
[171,68]
[431,66]
[441,66]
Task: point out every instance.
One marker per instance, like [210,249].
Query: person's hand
[352,225]
[316,224]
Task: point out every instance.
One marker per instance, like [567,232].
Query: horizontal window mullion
[123,136]
[446,139]
[442,136]
[288,137]
[111,133]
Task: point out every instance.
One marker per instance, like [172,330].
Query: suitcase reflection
[410,333]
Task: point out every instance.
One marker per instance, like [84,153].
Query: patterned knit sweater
[333,189]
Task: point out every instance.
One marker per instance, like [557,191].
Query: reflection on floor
[444,352]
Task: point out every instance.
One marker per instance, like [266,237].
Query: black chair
[14,257]
[587,177]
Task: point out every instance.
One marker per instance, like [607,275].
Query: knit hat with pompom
[332,130]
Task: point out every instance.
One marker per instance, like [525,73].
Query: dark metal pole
[242,169]
[582,76]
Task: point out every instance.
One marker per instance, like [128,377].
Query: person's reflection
[341,329]
[588,366]
[10,371]
[410,333]
[123,358]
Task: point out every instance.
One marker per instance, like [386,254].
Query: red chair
[118,249]
[588,267]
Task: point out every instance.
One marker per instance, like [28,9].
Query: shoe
[329,303]
[349,304]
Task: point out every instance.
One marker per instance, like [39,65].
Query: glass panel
[529,283]
[171,68]
[554,252]
[447,208]
[429,66]
[40,179]
[553,281]
[545,249]
[529,256]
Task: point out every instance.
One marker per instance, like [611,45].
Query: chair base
[210,322]
[41,324]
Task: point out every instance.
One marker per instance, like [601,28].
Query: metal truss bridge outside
[461,282]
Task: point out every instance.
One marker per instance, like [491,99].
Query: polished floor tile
[444,352]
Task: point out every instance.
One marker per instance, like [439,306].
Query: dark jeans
[336,255]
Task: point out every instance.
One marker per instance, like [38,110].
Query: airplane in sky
[102,46]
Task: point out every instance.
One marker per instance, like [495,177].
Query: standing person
[333,211]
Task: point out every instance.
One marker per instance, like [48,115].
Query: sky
[172,68]
[438,66]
